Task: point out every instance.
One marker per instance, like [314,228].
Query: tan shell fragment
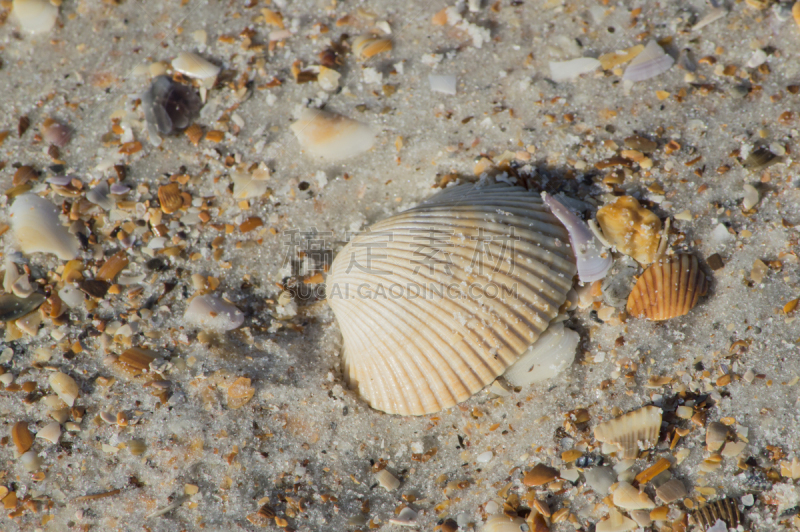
[367,46]
[632,229]
[630,498]
[240,393]
[426,301]
[631,432]
[112,266]
[170,197]
[616,522]
[669,288]
[22,437]
[64,386]
[330,136]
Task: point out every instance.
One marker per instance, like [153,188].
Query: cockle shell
[631,432]
[631,228]
[437,301]
[669,288]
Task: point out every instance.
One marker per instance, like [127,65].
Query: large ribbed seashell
[725,509]
[437,301]
[669,288]
[631,432]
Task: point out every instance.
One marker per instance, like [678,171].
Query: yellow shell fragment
[631,432]
[669,288]
[435,302]
[367,46]
[632,229]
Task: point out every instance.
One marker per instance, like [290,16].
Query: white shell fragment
[387,480]
[616,522]
[503,523]
[195,66]
[330,136]
[630,498]
[64,386]
[750,197]
[247,184]
[648,64]
[35,16]
[50,432]
[551,354]
[437,301]
[592,259]
[570,70]
[37,228]
[30,461]
[99,195]
[443,83]
[712,16]
[631,432]
[212,313]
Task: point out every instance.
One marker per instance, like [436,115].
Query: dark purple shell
[170,106]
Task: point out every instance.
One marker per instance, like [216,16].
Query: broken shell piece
[330,136]
[539,475]
[387,480]
[650,63]
[169,106]
[99,196]
[671,491]
[240,393]
[212,313]
[247,184]
[56,133]
[30,461]
[35,16]
[632,229]
[600,479]
[367,46]
[64,386]
[616,522]
[725,509]
[13,307]
[37,228]
[503,523]
[551,354]
[671,287]
[631,432]
[194,66]
[570,70]
[436,343]
[593,261]
[21,436]
[630,498]
[716,435]
[51,432]
[170,197]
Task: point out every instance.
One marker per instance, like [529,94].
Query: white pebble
[485,457]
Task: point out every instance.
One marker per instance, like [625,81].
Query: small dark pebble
[170,107]
[57,169]
[23,125]
[449,526]
[95,288]
[757,479]
[157,264]
[715,262]
[760,158]
[790,512]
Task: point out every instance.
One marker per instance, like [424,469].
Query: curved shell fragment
[551,354]
[195,66]
[593,261]
[37,228]
[437,301]
[212,313]
[35,16]
[330,136]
